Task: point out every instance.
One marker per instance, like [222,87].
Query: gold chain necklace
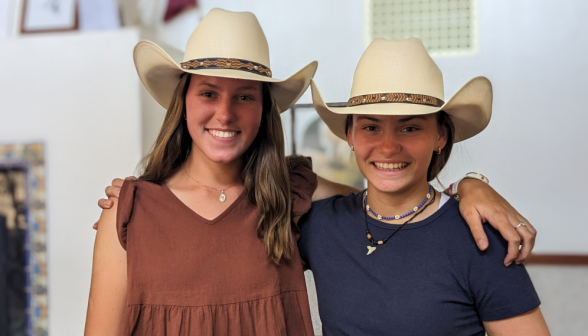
[222,197]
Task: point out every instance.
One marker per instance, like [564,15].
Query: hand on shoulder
[112,193]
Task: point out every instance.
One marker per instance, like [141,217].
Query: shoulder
[334,208]
[451,226]
[499,292]
[131,193]
[340,202]
[141,189]
[457,232]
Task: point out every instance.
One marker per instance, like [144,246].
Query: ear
[350,133]
[442,137]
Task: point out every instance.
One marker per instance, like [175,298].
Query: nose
[224,111]
[389,144]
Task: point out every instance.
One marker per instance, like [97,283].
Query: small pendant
[222,197]
[371,249]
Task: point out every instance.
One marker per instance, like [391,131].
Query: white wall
[79,95]
[534,149]
[534,52]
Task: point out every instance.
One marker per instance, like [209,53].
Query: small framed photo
[49,16]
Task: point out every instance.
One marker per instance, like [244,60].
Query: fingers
[503,224]
[514,243]
[118,182]
[105,204]
[112,191]
[499,218]
[528,235]
[475,223]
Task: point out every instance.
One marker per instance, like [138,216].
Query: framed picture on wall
[49,16]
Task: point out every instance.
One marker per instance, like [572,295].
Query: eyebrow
[374,119]
[413,117]
[246,87]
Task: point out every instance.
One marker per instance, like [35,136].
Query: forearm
[326,189]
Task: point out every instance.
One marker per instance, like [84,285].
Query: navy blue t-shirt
[428,279]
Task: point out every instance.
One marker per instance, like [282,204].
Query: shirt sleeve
[500,292]
[124,210]
[303,182]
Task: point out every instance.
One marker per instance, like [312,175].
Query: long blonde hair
[265,174]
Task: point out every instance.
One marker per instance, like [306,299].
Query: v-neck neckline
[199,217]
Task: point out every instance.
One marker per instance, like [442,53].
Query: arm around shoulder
[326,189]
[530,323]
[108,290]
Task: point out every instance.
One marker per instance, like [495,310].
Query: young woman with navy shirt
[398,258]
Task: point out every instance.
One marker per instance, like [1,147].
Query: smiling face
[394,152]
[223,116]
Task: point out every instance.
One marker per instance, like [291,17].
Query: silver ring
[521,223]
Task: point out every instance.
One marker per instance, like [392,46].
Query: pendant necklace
[416,211]
[222,196]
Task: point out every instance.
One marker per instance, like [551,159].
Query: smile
[390,166]
[221,134]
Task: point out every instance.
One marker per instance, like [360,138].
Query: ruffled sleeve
[125,210]
[303,182]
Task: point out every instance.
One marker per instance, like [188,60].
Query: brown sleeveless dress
[192,276]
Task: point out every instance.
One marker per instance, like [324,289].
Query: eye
[207,94]
[409,129]
[245,98]
[370,128]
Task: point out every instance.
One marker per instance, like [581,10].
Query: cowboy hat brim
[160,74]
[470,109]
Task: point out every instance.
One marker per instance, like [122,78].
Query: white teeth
[221,134]
[390,166]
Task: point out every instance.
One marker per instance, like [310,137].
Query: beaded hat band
[406,98]
[227,63]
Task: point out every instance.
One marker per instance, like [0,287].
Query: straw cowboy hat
[400,78]
[224,44]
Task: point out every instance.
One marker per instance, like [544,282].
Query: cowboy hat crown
[239,36]
[400,78]
[397,66]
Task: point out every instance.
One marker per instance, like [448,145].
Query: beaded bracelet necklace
[372,248]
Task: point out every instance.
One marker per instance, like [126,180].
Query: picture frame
[49,16]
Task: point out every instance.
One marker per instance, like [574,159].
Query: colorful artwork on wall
[24,241]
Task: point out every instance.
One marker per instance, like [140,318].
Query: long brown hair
[265,174]
[438,161]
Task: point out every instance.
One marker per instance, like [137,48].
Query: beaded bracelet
[452,190]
